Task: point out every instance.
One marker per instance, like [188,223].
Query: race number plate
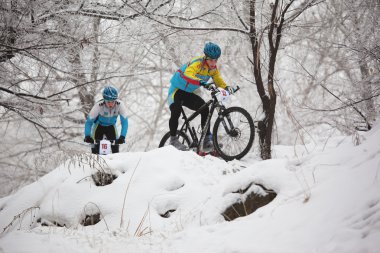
[105,147]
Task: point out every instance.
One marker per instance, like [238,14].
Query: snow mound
[161,190]
[171,201]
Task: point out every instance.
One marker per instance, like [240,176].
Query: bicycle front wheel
[233,133]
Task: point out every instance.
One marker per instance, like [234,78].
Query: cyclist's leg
[189,100]
[175,103]
[98,135]
[175,109]
[111,134]
[108,131]
[194,102]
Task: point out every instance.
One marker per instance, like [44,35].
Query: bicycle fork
[230,127]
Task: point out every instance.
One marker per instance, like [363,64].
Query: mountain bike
[233,131]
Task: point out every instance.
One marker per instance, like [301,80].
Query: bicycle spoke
[231,146]
[234,133]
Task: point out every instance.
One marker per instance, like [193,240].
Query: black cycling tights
[191,101]
[110,134]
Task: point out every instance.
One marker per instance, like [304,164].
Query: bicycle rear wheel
[182,137]
[233,133]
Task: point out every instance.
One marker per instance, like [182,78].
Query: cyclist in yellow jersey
[185,81]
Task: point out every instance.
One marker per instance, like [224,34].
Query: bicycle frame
[193,134]
[233,129]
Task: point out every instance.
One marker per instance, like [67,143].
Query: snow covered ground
[328,201]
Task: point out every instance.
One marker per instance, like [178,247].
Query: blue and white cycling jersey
[102,115]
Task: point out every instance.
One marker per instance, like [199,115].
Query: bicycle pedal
[212,153]
[201,153]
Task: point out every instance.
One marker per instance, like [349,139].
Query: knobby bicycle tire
[237,143]
[165,141]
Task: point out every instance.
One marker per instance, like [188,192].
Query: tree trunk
[95,62]
[86,98]
[9,33]
[265,127]
[366,93]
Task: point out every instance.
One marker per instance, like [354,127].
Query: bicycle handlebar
[113,142]
[212,87]
[98,141]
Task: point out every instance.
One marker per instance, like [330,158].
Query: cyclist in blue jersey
[190,77]
[101,120]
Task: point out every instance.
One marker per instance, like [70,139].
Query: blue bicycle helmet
[212,50]
[110,93]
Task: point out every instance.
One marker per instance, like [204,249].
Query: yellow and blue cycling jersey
[188,77]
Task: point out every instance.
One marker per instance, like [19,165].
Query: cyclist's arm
[91,119]
[192,70]
[123,119]
[218,80]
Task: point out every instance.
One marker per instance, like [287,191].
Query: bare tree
[358,23]
[53,60]
[56,55]
[337,59]
[264,26]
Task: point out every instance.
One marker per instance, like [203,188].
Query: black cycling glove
[121,140]
[204,84]
[229,89]
[88,139]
